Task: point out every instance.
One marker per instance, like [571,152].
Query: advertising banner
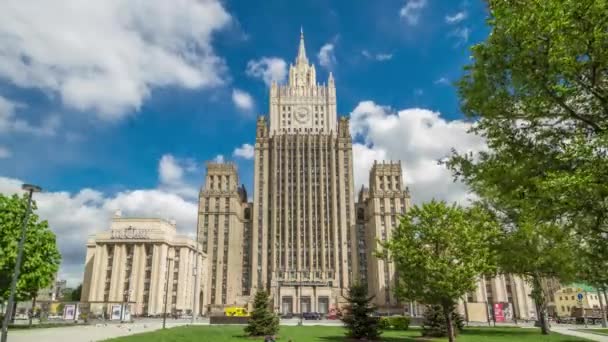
[69,312]
[507,310]
[498,312]
[127,315]
[116,311]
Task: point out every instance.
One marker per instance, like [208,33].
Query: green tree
[357,317]
[538,90]
[443,249]
[263,320]
[40,255]
[435,325]
[76,293]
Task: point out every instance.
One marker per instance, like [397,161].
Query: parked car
[311,315]
[287,315]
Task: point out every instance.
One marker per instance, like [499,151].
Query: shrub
[399,322]
[384,323]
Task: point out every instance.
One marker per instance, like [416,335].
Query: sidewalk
[587,335]
[85,333]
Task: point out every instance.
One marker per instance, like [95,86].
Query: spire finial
[301,50]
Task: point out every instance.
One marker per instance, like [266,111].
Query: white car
[21,316]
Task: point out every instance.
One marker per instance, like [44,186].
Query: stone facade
[302,237]
[225,232]
[130,263]
[378,211]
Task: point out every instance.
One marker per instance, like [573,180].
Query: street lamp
[195,273]
[166,291]
[11,299]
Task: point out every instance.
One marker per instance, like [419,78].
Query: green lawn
[218,333]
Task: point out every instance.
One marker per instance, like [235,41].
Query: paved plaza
[90,333]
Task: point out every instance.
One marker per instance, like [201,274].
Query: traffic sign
[580,296]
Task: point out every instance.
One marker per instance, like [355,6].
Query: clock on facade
[302,114]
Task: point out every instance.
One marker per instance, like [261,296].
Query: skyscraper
[300,237]
[303,206]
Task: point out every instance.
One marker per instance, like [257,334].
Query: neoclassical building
[305,237]
[138,263]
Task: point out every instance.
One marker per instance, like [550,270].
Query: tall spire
[301,50]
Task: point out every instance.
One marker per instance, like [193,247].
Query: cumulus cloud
[268,69]
[326,56]
[107,56]
[75,216]
[5,152]
[10,123]
[242,99]
[419,138]
[219,158]
[171,174]
[378,56]
[246,151]
[456,18]
[410,12]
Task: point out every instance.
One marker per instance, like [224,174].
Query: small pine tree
[263,320]
[358,318]
[434,324]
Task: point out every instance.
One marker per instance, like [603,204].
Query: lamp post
[195,273]
[166,291]
[11,299]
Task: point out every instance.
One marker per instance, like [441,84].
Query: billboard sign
[69,312]
[116,312]
[498,312]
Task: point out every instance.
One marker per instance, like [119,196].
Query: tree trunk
[602,306]
[33,309]
[539,300]
[447,312]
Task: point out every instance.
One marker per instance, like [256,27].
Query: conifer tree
[358,318]
[263,320]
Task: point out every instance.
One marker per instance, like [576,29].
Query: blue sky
[100,102]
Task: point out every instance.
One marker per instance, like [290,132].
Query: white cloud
[107,56]
[9,123]
[242,99]
[219,158]
[461,34]
[268,69]
[5,152]
[246,151]
[326,56]
[171,172]
[378,57]
[75,216]
[456,18]
[418,138]
[442,80]
[168,169]
[411,11]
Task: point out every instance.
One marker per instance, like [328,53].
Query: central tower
[303,105]
[303,206]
